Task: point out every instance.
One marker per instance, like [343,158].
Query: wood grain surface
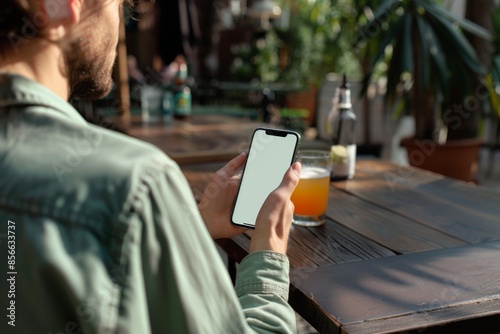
[402,249]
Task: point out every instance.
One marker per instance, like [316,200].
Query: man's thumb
[291,178]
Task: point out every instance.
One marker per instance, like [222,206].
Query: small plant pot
[304,100]
[456,159]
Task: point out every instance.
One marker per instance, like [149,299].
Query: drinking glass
[311,195]
[151,103]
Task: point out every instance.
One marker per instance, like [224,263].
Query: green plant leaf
[401,58]
[385,39]
[374,27]
[496,31]
[431,49]
[447,34]
[495,70]
[494,100]
[406,54]
[465,24]
[425,50]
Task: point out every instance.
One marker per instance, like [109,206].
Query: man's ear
[62,10]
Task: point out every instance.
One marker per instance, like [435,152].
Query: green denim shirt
[100,233]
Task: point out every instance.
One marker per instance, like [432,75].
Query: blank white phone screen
[269,158]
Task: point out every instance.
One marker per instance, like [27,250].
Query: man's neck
[42,62]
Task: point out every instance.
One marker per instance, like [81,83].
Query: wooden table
[198,139]
[402,250]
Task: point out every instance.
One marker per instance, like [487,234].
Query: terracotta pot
[304,100]
[456,159]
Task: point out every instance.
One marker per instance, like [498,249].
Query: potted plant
[431,70]
[493,85]
[298,50]
[315,44]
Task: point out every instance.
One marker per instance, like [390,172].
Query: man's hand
[216,203]
[275,217]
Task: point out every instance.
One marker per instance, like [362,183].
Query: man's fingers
[232,166]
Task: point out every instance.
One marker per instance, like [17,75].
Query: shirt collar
[16,90]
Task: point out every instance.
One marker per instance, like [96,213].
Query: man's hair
[11,15]
[19,21]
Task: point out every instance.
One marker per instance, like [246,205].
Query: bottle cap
[345,95]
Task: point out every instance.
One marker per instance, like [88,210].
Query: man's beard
[89,73]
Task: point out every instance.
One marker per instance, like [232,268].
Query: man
[100,231]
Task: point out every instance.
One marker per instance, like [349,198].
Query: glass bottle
[343,149]
[181,93]
[182,102]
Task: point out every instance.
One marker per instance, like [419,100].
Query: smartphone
[270,154]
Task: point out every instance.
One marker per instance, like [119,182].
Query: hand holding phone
[275,217]
[270,155]
[218,199]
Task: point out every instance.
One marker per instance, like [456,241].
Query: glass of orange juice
[311,195]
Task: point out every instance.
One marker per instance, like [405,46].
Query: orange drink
[311,195]
[310,198]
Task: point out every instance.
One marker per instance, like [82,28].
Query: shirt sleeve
[186,286]
[262,286]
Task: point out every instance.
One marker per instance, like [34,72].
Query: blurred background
[423,68]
